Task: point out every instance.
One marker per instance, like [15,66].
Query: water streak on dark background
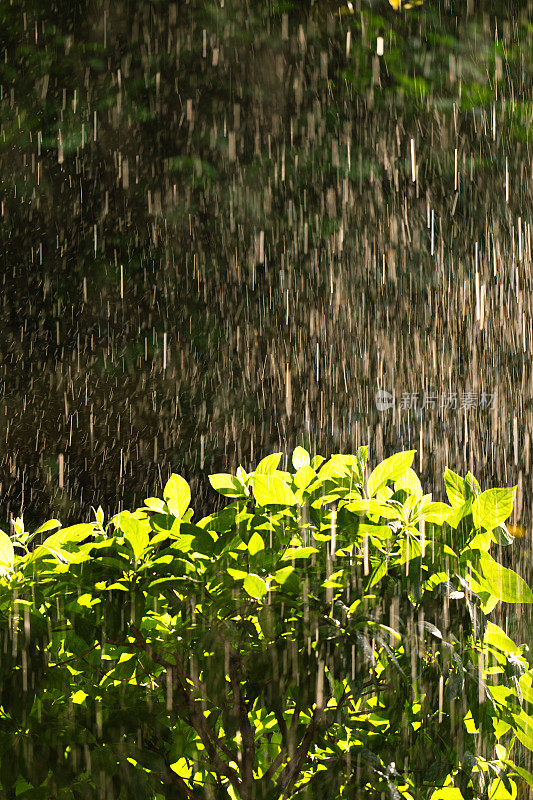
[235,179]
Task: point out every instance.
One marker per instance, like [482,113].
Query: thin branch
[290,773]
[196,718]
[273,768]
[247,734]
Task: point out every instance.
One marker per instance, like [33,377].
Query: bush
[324,635]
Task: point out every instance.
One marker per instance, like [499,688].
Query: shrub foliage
[326,635]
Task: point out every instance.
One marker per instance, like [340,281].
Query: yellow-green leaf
[7,553]
[269,464]
[255,586]
[272,490]
[410,482]
[436,513]
[227,485]
[255,544]
[304,476]
[282,574]
[297,552]
[497,638]
[177,495]
[47,526]
[503,583]
[300,458]
[135,532]
[391,469]
[523,727]
[493,507]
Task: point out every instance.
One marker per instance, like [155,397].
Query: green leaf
[7,553]
[497,638]
[527,776]
[523,727]
[155,504]
[236,574]
[379,571]
[227,485]
[298,552]
[282,574]
[271,490]
[481,541]
[391,469]
[177,495]
[255,544]
[135,532]
[381,532]
[255,586]
[437,513]
[300,458]
[304,477]
[339,466]
[316,461]
[454,488]
[269,464]
[501,535]
[47,526]
[503,583]
[242,475]
[363,454]
[74,533]
[460,513]
[493,507]
[373,507]
[410,482]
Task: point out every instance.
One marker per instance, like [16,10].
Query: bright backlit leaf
[269,464]
[493,507]
[454,488]
[7,553]
[255,544]
[300,458]
[177,495]
[391,469]
[503,583]
[227,485]
[135,532]
[410,482]
[255,586]
[272,490]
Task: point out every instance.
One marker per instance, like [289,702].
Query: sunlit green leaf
[255,544]
[47,526]
[493,507]
[255,586]
[227,485]
[272,490]
[177,495]
[7,553]
[269,464]
[410,482]
[436,513]
[391,469]
[300,458]
[454,488]
[298,552]
[503,583]
[135,532]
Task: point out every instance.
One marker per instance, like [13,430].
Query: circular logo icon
[384,400]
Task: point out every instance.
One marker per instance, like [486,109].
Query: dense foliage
[327,634]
